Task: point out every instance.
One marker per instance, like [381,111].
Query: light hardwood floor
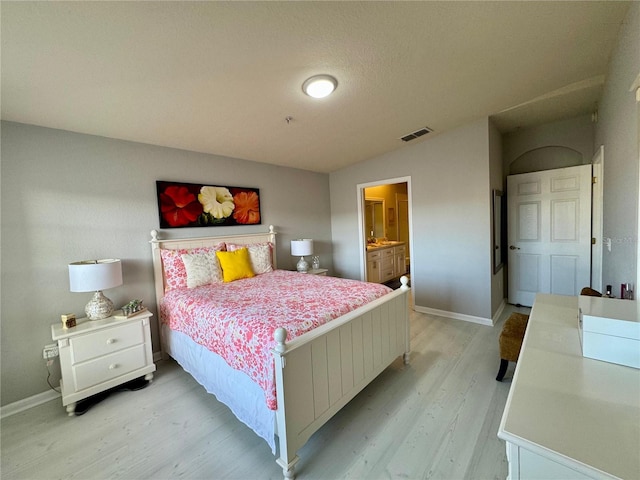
[435,418]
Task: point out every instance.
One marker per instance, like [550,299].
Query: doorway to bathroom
[384,213]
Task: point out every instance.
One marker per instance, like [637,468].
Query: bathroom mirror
[498,220]
[374,217]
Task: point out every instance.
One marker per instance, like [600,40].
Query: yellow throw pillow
[235,265]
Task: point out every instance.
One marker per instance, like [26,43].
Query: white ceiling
[221,77]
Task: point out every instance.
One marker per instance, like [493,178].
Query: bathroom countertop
[382,245]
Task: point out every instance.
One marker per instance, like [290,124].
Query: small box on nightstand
[68,320]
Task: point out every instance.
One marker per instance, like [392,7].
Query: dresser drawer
[387,253]
[105,368]
[106,341]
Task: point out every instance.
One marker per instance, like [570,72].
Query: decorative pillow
[235,265]
[175,275]
[202,268]
[259,254]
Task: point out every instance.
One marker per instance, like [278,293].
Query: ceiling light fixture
[319,86]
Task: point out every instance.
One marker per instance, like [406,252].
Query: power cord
[49,363]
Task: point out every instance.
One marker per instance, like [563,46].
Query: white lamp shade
[94,275]
[302,247]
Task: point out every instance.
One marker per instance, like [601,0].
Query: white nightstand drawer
[105,368]
[106,341]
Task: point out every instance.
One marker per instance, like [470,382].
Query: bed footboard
[321,371]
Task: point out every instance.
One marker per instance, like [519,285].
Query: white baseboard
[30,402]
[456,316]
[40,398]
[496,315]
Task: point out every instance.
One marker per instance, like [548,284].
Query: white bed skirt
[233,388]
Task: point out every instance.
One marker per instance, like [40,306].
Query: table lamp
[301,248]
[95,276]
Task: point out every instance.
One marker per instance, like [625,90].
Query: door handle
[513,247]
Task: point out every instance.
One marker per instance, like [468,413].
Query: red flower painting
[247,209]
[178,206]
[195,205]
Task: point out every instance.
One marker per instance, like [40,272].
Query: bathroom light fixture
[319,86]
[301,248]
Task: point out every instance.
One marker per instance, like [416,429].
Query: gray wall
[452,175]
[617,130]
[68,197]
[497,181]
[574,133]
[451,204]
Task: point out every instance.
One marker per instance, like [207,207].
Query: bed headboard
[158,244]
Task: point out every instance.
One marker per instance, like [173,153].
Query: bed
[310,372]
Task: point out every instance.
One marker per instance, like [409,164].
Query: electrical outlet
[50,351]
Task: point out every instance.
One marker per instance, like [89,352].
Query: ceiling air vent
[416,134]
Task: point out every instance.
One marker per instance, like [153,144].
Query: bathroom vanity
[386,261]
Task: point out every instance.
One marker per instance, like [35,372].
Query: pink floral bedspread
[236,320]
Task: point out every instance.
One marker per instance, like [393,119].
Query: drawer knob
[110,341]
[113,366]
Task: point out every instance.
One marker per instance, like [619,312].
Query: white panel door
[549,233]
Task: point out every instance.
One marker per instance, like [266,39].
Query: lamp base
[302,266]
[99,307]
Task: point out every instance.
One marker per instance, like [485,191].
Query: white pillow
[260,255]
[202,268]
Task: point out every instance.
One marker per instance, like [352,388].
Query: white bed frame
[320,371]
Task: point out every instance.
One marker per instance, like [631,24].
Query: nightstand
[318,271]
[97,355]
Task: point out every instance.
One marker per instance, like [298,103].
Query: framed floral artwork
[195,205]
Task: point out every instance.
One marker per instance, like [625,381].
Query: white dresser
[567,416]
[96,355]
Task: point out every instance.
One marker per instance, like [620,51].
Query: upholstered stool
[590,292]
[511,340]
